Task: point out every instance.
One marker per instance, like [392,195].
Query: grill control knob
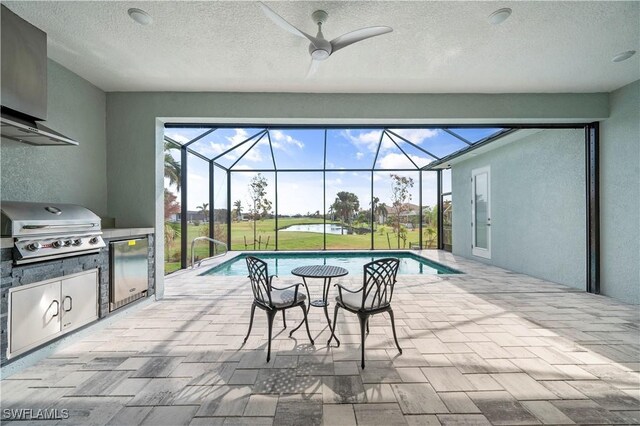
[77,242]
[68,243]
[58,244]
[94,240]
[34,246]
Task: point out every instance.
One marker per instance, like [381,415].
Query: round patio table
[326,273]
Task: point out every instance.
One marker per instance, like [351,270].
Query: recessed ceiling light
[499,16]
[140,16]
[623,56]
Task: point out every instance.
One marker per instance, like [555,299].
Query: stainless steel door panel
[35,315]
[79,303]
[129,269]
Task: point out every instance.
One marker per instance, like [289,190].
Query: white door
[79,300]
[481,212]
[35,315]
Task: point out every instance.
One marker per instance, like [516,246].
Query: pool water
[281,264]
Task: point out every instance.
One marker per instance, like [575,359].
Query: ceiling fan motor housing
[321,50]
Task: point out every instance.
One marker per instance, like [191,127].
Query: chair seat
[354,301]
[282,298]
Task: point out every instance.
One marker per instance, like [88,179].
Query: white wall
[67,174]
[620,196]
[537,198]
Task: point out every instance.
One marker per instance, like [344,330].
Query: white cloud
[399,161]
[295,197]
[214,149]
[359,155]
[242,167]
[387,144]
[238,137]
[366,140]
[280,140]
[178,137]
[193,176]
[197,188]
[254,154]
[416,135]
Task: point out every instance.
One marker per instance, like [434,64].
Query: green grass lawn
[383,239]
[172,251]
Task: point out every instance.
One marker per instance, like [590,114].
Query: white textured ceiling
[436,47]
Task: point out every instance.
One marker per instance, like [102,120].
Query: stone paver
[485,347]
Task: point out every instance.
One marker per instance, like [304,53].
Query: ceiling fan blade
[313,67]
[282,23]
[358,35]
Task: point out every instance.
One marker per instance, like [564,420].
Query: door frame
[478,251]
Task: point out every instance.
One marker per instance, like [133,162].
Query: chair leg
[284,318]
[253,311]
[270,317]
[306,323]
[367,326]
[393,327]
[333,330]
[363,323]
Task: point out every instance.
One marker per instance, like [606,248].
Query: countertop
[6,242]
[106,233]
[125,232]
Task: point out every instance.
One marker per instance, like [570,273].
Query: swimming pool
[281,264]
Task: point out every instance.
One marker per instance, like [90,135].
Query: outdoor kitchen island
[14,276]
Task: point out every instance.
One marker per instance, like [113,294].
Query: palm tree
[345,205]
[374,206]
[381,210]
[172,169]
[204,209]
[238,205]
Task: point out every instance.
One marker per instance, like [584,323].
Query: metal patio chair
[374,297]
[272,299]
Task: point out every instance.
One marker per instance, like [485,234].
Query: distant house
[219,216]
[191,216]
[409,214]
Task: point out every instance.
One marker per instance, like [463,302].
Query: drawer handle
[70,303]
[57,308]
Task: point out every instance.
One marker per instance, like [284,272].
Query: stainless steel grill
[43,231]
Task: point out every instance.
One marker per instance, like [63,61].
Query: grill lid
[26,218]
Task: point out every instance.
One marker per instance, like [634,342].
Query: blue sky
[303,149]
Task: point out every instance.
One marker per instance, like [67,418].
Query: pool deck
[487,347]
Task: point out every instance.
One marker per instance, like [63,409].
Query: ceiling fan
[320,48]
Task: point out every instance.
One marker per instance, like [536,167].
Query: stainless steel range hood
[34,133]
[24,83]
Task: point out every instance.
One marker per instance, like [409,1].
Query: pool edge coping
[214,263]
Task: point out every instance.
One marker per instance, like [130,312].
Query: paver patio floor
[487,347]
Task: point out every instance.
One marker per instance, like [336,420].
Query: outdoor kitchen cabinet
[79,302]
[35,315]
[41,311]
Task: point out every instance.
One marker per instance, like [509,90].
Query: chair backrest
[379,279]
[259,277]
